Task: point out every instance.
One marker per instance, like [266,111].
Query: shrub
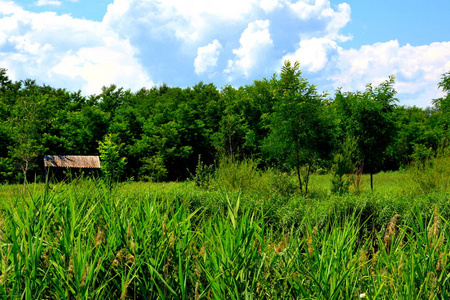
[432,173]
[203,174]
[235,175]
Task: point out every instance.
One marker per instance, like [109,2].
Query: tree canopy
[282,122]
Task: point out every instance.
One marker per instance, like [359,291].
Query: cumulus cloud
[66,52]
[417,68]
[47,3]
[207,57]
[255,41]
[270,5]
[315,53]
[181,42]
[189,21]
[102,66]
[9,7]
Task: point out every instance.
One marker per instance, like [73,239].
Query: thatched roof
[72,161]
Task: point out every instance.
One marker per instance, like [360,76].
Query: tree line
[163,132]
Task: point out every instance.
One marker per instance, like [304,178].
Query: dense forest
[163,133]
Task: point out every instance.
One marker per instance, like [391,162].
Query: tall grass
[174,241]
[432,173]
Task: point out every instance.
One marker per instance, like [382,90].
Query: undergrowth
[244,234]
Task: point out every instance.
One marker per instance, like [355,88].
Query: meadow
[238,233]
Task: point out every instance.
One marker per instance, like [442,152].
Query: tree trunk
[371,181]
[299,179]
[307,180]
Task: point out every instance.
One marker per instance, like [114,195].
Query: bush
[432,173]
[203,174]
[235,175]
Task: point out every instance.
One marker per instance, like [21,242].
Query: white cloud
[177,42]
[321,10]
[74,53]
[9,8]
[102,66]
[417,69]
[314,53]
[310,9]
[188,21]
[254,41]
[47,3]
[207,57]
[270,5]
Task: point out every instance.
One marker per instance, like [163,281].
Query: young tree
[112,165]
[297,131]
[27,120]
[368,117]
[442,105]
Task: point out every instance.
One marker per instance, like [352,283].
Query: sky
[87,44]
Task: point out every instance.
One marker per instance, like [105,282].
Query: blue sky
[86,44]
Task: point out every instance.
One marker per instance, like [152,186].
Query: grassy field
[251,236]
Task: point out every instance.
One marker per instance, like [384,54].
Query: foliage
[112,165]
[203,174]
[147,241]
[296,125]
[236,175]
[368,118]
[283,122]
[153,169]
[343,166]
[431,172]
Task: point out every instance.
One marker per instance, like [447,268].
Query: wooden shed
[68,165]
[72,161]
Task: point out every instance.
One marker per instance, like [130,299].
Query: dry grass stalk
[257,245]
[196,294]
[362,259]
[123,295]
[310,243]
[45,256]
[71,269]
[433,231]
[129,232]
[401,265]
[1,228]
[167,267]
[315,230]
[374,263]
[172,239]
[85,272]
[197,269]
[130,259]
[440,265]
[115,263]
[100,237]
[201,252]
[123,256]
[132,245]
[59,232]
[432,279]
[391,231]
[164,228]
[281,246]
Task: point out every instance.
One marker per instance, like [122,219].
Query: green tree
[297,127]
[112,165]
[442,106]
[368,117]
[28,121]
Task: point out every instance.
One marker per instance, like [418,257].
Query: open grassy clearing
[177,241]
